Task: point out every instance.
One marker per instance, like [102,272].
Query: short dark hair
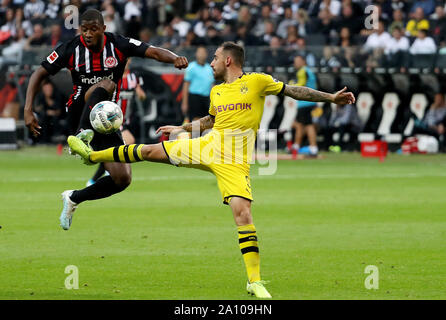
[237,52]
[92,15]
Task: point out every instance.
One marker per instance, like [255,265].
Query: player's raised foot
[258,289]
[86,136]
[77,146]
[68,209]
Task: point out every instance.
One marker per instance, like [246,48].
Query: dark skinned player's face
[93,33]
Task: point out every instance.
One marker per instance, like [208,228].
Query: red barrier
[374,149]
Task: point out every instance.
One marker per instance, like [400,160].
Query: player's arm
[140,93]
[202,124]
[304,93]
[33,87]
[185,102]
[166,56]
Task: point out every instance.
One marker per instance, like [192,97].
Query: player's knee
[108,85]
[122,181]
[243,216]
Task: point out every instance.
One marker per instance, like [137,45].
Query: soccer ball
[106,117]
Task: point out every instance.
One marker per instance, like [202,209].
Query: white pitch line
[254,177]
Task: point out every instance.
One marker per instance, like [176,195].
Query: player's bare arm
[35,82]
[304,93]
[166,56]
[203,124]
[140,93]
[185,103]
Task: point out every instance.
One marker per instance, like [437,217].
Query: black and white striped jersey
[88,68]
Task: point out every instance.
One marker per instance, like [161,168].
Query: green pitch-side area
[168,236]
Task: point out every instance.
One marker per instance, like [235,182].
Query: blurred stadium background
[321,222]
[399,84]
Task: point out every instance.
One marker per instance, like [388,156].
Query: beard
[220,76]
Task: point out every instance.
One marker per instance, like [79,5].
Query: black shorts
[304,115]
[198,106]
[78,120]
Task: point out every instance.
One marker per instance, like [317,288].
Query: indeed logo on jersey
[233,107]
[95,79]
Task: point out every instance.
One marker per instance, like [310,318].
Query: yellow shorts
[232,178]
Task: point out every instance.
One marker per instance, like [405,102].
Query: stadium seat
[290,112]
[28,58]
[440,62]
[401,83]
[418,105]
[269,110]
[326,81]
[8,135]
[264,134]
[316,39]
[422,60]
[429,83]
[349,80]
[364,105]
[389,105]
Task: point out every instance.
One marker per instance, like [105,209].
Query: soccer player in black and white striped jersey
[96,60]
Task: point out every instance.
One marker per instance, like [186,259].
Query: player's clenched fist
[181,62]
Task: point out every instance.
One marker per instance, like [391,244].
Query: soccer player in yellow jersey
[235,112]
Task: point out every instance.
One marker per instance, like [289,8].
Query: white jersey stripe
[76,53]
[112,49]
[87,60]
[104,58]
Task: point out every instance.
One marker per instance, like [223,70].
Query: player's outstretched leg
[101,91]
[125,153]
[247,237]
[68,209]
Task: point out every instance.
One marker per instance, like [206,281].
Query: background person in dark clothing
[51,111]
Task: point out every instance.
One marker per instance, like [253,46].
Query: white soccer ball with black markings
[106,117]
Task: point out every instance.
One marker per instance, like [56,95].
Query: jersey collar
[243,74]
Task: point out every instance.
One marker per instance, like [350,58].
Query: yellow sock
[126,153]
[250,250]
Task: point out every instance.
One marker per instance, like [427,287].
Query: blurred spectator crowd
[340,30]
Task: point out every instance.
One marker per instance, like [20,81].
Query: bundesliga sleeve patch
[52,57]
[135,42]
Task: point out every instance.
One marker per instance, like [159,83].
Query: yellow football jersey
[238,109]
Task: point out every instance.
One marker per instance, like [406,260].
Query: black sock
[99,94]
[99,172]
[103,188]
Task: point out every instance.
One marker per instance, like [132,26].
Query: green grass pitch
[168,236]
